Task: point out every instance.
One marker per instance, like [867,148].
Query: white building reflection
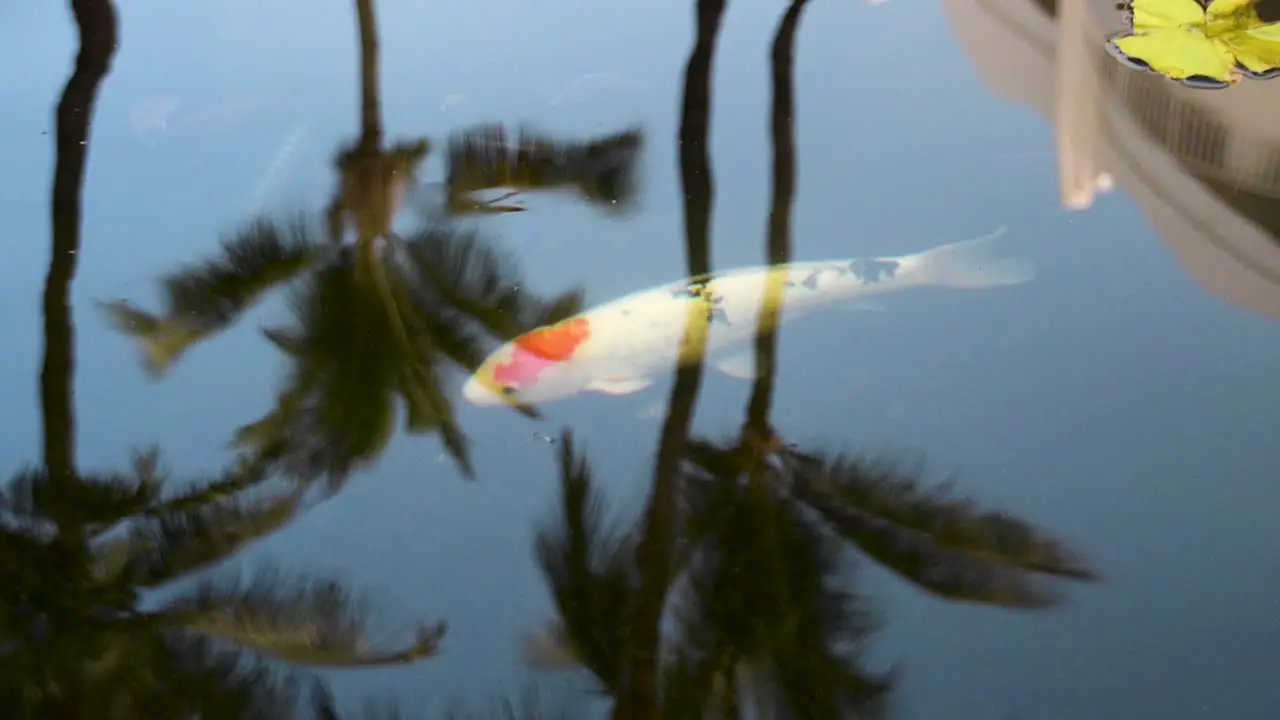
[1203,165]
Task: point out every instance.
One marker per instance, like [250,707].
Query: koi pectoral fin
[619,386]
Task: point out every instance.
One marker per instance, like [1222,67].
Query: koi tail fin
[972,264]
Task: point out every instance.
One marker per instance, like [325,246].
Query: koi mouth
[480,389]
[487,386]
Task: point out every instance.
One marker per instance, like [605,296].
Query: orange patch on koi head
[556,342]
[540,348]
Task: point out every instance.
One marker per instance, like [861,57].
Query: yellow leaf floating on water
[1202,47]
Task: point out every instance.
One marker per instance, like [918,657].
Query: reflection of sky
[1111,400]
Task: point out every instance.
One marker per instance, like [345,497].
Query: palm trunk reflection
[654,555]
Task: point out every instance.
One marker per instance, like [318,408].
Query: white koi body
[620,346]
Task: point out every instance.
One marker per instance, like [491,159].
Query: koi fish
[618,348]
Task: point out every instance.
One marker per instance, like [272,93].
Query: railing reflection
[1203,165]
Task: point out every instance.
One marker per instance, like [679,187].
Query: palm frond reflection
[374,327]
[600,172]
[763,616]
[205,298]
[108,597]
[748,629]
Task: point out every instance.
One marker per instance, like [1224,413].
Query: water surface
[1120,404]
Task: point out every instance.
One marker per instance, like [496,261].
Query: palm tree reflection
[763,612]
[104,607]
[638,677]
[376,320]
[767,613]
[764,621]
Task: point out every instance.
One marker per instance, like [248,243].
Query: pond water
[1108,421]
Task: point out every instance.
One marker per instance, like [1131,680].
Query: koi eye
[508,390]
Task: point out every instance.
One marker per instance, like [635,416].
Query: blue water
[1121,402]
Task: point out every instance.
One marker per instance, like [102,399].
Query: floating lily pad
[1203,46]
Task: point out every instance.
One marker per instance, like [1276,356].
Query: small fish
[168,115]
[619,347]
[276,167]
[152,115]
